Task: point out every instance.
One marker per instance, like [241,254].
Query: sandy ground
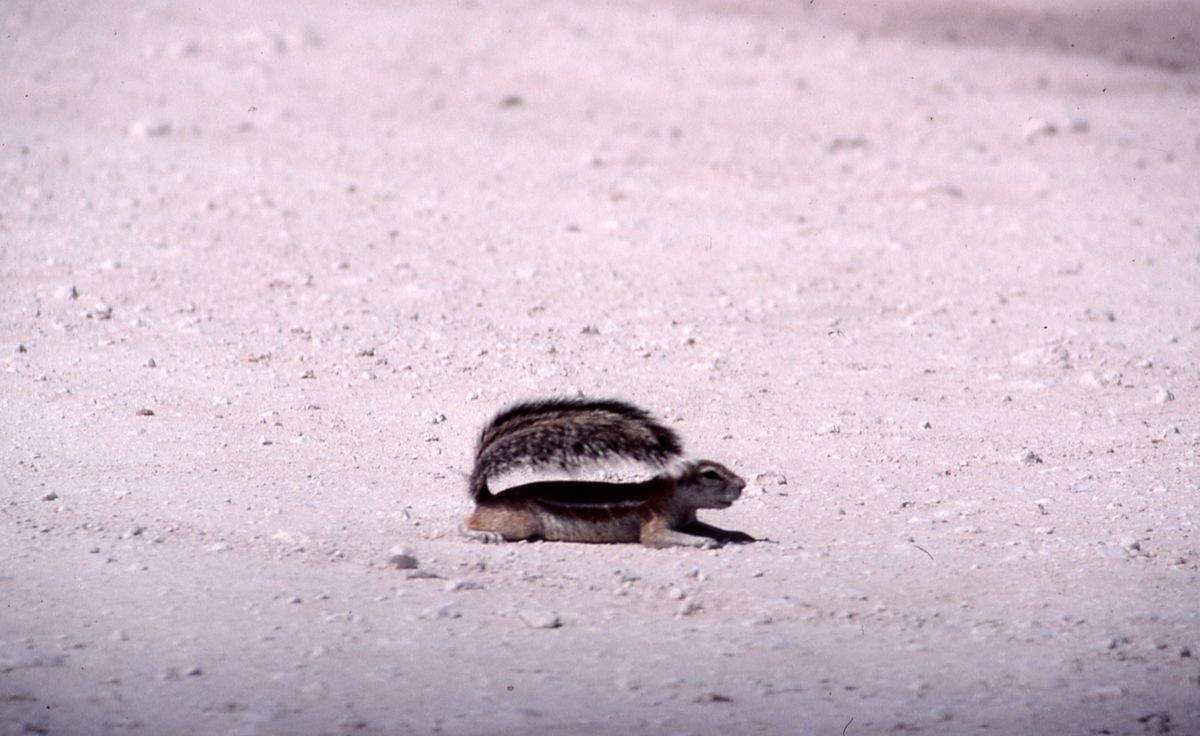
[927,275]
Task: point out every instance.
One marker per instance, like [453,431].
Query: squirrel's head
[708,484]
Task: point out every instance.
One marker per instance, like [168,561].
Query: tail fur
[568,434]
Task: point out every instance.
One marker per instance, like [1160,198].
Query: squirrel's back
[568,433]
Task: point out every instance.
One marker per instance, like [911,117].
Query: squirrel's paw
[487,537]
[738,538]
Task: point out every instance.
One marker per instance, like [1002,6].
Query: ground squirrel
[569,433]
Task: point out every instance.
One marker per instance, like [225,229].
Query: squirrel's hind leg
[658,536]
[492,526]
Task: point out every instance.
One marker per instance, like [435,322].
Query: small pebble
[829,429]
[133,531]
[144,412]
[66,292]
[435,417]
[1115,641]
[1106,691]
[1129,543]
[540,618]
[1029,457]
[150,128]
[1099,380]
[402,558]
[1162,395]
[51,496]
[444,611]
[150,363]
[454,586]
[771,477]
[1037,128]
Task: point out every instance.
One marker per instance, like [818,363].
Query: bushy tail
[568,434]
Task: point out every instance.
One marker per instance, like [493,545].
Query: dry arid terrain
[926,274]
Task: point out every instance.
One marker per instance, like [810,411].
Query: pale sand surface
[925,273]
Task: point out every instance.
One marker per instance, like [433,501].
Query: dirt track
[266,268]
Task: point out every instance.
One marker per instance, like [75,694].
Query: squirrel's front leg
[699,528]
[658,536]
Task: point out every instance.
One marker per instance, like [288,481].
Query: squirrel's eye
[710,474]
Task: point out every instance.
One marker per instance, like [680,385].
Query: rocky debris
[26,657]
[1029,457]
